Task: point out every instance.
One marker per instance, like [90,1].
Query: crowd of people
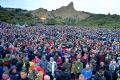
[49,52]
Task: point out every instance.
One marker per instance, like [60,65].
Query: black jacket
[25,79]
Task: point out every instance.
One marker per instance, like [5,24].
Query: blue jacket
[87,74]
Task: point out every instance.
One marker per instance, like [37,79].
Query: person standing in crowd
[36,60]
[100,75]
[87,72]
[6,63]
[67,66]
[46,77]
[97,47]
[81,77]
[118,75]
[43,63]
[6,76]
[52,67]
[73,70]
[13,60]
[113,65]
[24,75]
[113,68]
[78,68]
[19,64]
[59,63]
[14,74]
[1,69]
[107,73]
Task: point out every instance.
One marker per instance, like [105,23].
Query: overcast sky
[93,6]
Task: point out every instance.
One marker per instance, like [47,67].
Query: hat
[13,67]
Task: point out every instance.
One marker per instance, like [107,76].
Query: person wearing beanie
[13,73]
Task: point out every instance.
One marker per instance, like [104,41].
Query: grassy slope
[14,16]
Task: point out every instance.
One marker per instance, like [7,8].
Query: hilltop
[65,15]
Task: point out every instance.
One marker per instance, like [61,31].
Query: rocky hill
[66,15]
[63,12]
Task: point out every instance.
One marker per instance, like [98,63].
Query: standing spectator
[6,76]
[19,64]
[112,66]
[1,69]
[52,67]
[87,72]
[67,66]
[46,77]
[36,60]
[24,75]
[59,62]
[14,74]
[100,75]
[43,63]
[81,77]
[78,68]
[13,60]
[107,73]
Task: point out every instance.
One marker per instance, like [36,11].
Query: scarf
[53,67]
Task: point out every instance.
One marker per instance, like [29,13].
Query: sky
[92,6]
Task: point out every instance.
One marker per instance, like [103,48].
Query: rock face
[63,12]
